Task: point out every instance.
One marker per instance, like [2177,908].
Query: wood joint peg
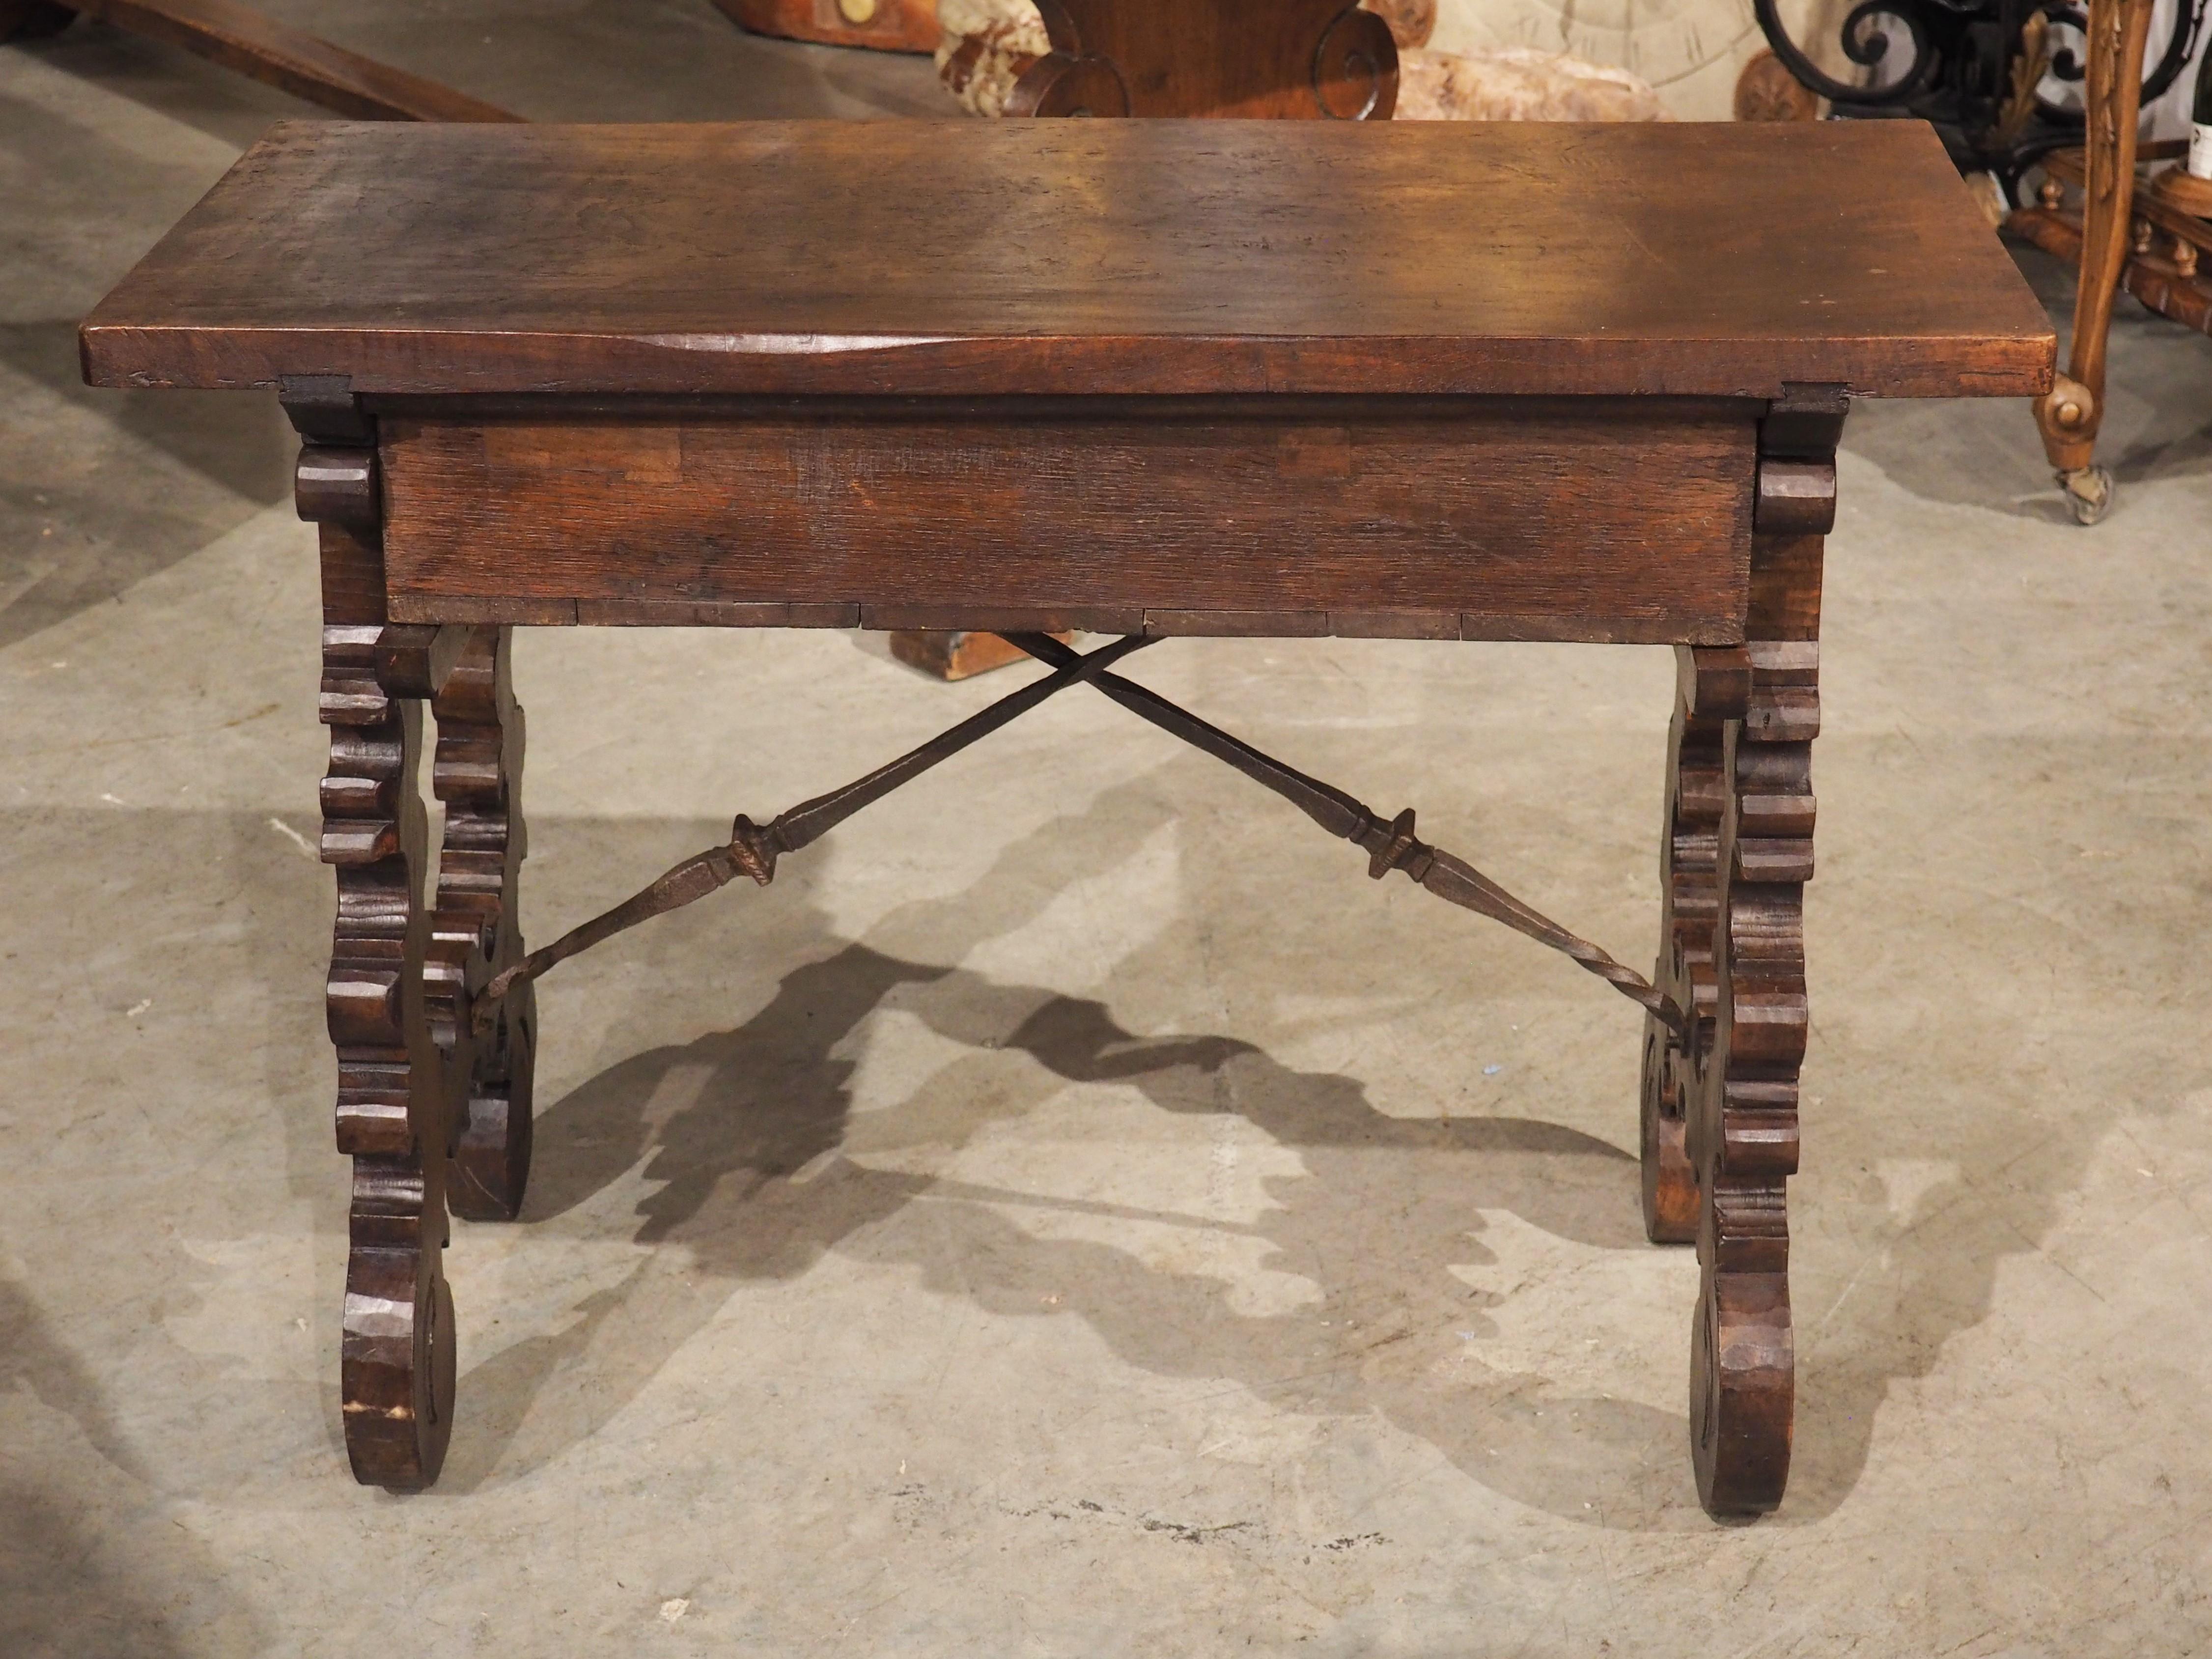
[1794,497]
[333,485]
[416,660]
[1783,714]
[1714,681]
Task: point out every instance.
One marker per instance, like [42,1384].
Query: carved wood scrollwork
[477,931]
[1720,1106]
[429,1110]
[397,1365]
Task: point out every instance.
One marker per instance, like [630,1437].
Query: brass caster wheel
[2089,492]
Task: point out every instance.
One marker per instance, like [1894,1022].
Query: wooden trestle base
[437,1115]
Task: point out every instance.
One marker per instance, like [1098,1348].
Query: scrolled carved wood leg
[1742,1099]
[396,1370]
[2071,413]
[476,932]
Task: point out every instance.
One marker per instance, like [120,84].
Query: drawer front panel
[1486,518]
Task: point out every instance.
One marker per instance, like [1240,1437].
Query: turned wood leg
[477,931]
[396,1372]
[2070,413]
[1741,1093]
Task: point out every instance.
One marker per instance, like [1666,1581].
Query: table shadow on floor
[763,1168]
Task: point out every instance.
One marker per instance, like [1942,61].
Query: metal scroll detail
[1390,844]
[1347,56]
[1973,68]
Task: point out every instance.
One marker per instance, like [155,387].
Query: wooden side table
[1140,378]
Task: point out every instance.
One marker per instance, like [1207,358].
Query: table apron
[1625,521]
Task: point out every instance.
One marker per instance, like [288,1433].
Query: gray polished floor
[1073,1211]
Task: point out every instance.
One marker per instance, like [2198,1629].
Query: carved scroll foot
[1742,1366]
[396,1375]
[478,932]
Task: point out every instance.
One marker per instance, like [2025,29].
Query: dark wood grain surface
[1085,257]
[1298,60]
[1619,519]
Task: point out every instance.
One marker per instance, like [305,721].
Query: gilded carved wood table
[1140,378]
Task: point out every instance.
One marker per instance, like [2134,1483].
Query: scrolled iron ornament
[1349,46]
[1970,63]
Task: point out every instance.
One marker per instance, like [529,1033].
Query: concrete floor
[1073,1211]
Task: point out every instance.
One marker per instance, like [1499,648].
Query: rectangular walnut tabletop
[1085,257]
[1144,378]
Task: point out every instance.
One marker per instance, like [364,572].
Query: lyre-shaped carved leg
[478,773]
[396,1370]
[396,1373]
[1739,1094]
